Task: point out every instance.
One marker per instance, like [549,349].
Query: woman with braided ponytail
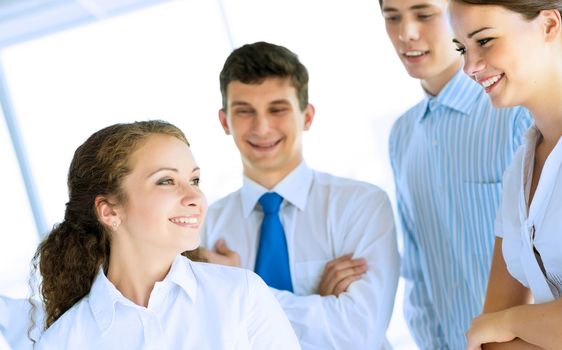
[513,48]
[112,272]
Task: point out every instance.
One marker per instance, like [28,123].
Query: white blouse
[197,306]
[537,228]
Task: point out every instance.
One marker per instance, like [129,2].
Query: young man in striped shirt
[448,154]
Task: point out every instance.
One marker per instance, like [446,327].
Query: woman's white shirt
[514,221]
[197,306]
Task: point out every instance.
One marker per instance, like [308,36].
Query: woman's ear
[107,212]
[551,24]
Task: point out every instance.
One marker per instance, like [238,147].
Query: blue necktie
[272,262]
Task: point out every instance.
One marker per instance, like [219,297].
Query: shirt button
[433,105]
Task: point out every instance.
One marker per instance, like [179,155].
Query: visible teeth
[263,145]
[414,53]
[185,220]
[489,82]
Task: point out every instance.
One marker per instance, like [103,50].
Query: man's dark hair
[253,63]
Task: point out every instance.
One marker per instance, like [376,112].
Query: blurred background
[71,67]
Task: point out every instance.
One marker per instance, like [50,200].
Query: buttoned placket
[152,327]
[532,219]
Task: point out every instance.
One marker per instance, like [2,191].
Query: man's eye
[425,17]
[392,18]
[244,111]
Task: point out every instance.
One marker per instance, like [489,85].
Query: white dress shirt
[197,306]
[515,224]
[324,217]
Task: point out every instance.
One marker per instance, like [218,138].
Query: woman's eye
[483,42]
[461,50]
[166,182]
[195,181]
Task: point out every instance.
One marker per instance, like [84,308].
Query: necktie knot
[270,202]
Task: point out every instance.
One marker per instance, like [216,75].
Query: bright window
[163,62]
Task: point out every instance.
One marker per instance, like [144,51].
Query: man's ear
[106,212]
[551,24]
[224,122]
[309,112]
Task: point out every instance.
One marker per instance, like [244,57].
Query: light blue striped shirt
[448,155]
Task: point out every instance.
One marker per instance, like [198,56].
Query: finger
[329,279]
[203,252]
[211,256]
[356,263]
[221,247]
[351,271]
[337,261]
[359,265]
[471,343]
[330,282]
[473,347]
[342,285]
[345,264]
[326,284]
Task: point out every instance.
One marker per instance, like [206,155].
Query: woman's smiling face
[165,208]
[501,49]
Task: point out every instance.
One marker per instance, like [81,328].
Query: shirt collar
[293,188]
[532,135]
[181,274]
[458,94]
[103,294]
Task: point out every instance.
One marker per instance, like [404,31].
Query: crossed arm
[509,321]
[337,276]
[352,304]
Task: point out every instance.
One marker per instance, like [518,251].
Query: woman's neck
[546,107]
[548,119]
[134,274]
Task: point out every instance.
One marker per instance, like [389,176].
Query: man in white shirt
[337,261]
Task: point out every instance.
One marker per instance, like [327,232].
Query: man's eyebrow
[239,103]
[281,101]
